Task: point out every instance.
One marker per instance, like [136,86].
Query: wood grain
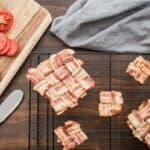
[23,12]
[27,39]
[14,132]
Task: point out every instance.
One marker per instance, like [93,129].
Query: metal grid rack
[104,133]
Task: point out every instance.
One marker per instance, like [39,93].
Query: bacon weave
[139,69]
[61,79]
[139,122]
[70,135]
[110,103]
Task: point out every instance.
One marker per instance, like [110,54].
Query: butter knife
[10,104]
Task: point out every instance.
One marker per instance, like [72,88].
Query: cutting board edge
[25,52]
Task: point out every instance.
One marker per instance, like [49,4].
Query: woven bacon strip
[139,69]
[110,103]
[61,79]
[139,122]
[70,135]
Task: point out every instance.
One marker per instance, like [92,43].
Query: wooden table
[31,125]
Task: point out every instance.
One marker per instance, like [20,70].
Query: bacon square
[139,122]
[110,103]
[61,79]
[70,135]
[139,69]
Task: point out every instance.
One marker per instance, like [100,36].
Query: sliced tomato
[3,40]
[13,48]
[6,48]
[6,20]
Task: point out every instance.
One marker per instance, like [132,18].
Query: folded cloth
[106,25]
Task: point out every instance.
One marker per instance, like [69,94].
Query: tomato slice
[6,48]
[13,48]
[6,20]
[3,40]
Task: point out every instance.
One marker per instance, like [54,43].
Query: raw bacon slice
[61,58]
[77,91]
[108,110]
[117,97]
[52,79]
[142,131]
[41,87]
[61,89]
[45,67]
[87,83]
[105,110]
[106,97]
[69,82]
[144,110]
[70,135]
[34,75]
[135,119]
[51,93]
[147,139]
[139,69]
[110,103]
[62,73]
[61,79]
[139,122]
[55,62]
[70,100]
[66,55]
[59,105]
[74,66]
[81,75]
[66,52]
[112,97]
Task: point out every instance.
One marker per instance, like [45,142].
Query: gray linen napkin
[106,25]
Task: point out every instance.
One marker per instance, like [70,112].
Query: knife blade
[10,104]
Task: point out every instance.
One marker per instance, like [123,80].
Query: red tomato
[6,48]
[13,48]
[3,40]
[6,20]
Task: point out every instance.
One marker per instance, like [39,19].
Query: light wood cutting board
[31,21]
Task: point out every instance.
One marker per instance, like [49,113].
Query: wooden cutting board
[31,21]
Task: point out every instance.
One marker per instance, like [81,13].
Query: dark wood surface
[31,126]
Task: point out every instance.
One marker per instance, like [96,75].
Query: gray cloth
[106,25]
